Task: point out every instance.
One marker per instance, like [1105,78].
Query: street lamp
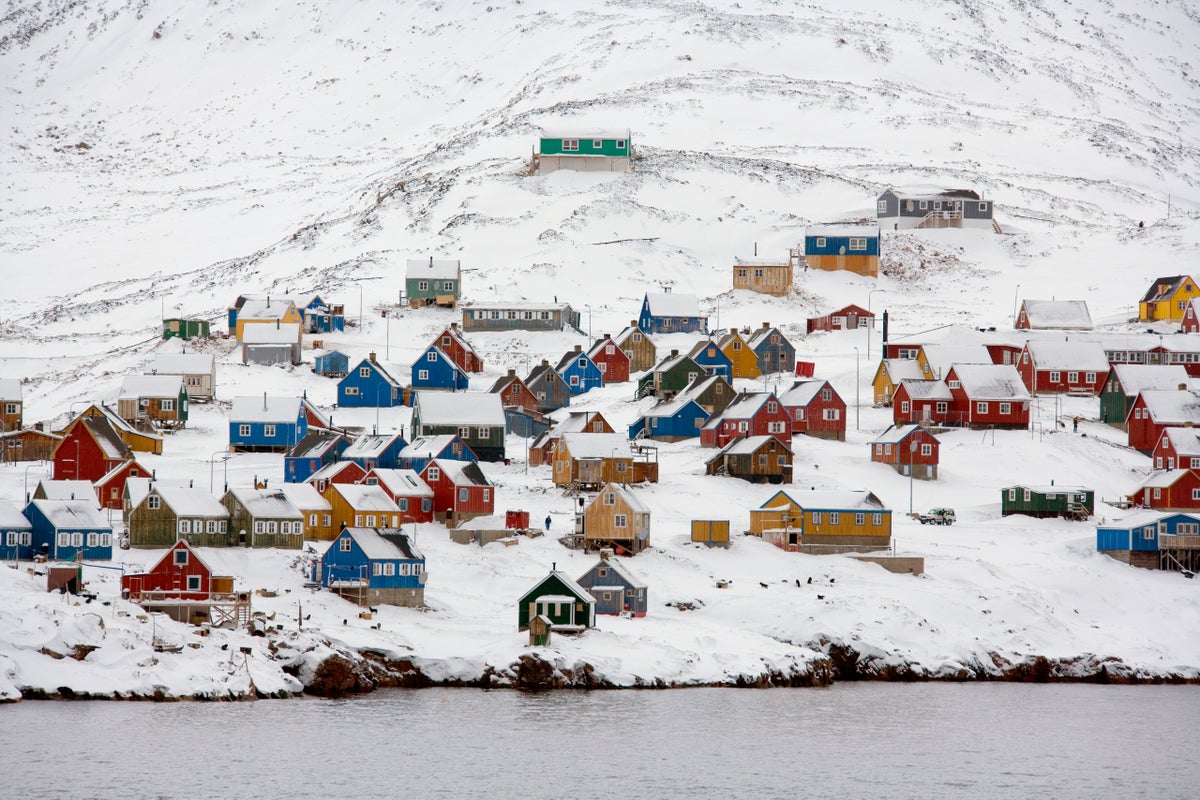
[29,467]
[589,310]
[1015,296]
[857,404]
[359,281]
[872,325]
[212,462]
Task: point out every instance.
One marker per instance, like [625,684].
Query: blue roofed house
[775,353]
[370,385]
[376,450]
[334,364]
[317,449]
[63,528]
[16,534]
[368,566]
[668,312]
[711,359]
[433,369]
[446,447]
[854,248]
[267,424]
[476,417]
[579,371]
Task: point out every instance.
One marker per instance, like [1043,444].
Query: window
[820,241]
[371,523]
[464,431]
[941,408]
[389,568]
[487,495]
[610,499]
[193,583]
[858,243]
[166,405]
[924,205]
[878,449]
[620,521]
[877,519]
[1196,494]
[574,380]
[422,374]
[903,406]
[834,517]
[1072,377]
[827,394]
[243,431]
[345,544]
[422,286]
[597,144]
[377,569]
[406,568]
[1055,376]
[269,431]
[926,449]
[981,408]
[434,474]
[881,208]
[1028,495]
[483,433]
[816,518]
[259,526]
[953,384]
[358,520]
[93,539]
[464,495]
[620,144]
[1089,378]
[153,502]
[271,526]
[64,540]
[350,391]
[831,414]
[181,558]
[887,449]
[860,519]
[364,372]
[185,526]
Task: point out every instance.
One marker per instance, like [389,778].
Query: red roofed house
[611,359]
[89,450]
[514,392]
[923,402]
[909,449]
[848,318]
[1169,490]
[460,351]
[1177,448]
[411,495]
[110,488]
[460,490]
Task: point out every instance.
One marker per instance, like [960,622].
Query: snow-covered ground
[164,157]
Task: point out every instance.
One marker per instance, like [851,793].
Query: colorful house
[1070,315]
[28,444]
[64,529]
[669,377]
[668,312]
[1063,367]
[821,522]
[816,409]
[159,400]
[549,387]
[135,439]
[888,375]
[167,514]
[268,343]
[451,342]
[344,472]
[16,534]
[1154,411]
[434,370]
[185,328]
[711,359]
[408,491]
[923,402]
[433,282]
[423,449]
[758,459]
[514,393]
[476,417]
[320,316]
[611,359]
[848,318]
[316,510]
[541,451]
[773,350]
[582,152]
[1071,502]
[670,421]
[460,491]
[988,396]
[370,385]
[637,344]
[590,460]
[264,518]
[1177,448]
[757,414]
[854,248]
[579,371]
[250,309]
[926,207]
[357,505]
[317,449]
[616,519]
[376,450]
[267,424]
[334,364]
[909,449]
[743,361]
[567,605]
[1153,540]
[373,567]
[615,589]
[198,371]
[1191,317]
[1126,381]
[771,276]
[520,317]
[181,585]
[1167,298]
[110,488]
[89,450]
[12,405]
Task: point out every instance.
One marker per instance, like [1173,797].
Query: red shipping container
[516,520]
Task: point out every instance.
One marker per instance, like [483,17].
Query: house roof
[315,443]
[180,364]
[136,386]
[271,333]
[941,357]
[747,445]
[820,499]
[1143,517]
[117,425]
[434,268]
[441,356]
[136,490]
[576,422]
[1136,378]
[332,469]
[11,518]
[265,307]
[572,585]
[252,408]
[521,306]
[702,384]
[895,435]
[362,497]
[835,230]
[671,304]
[267,503]
[570,356]
[584,133]
[536,376]
[460,408]
[72,513]
[921,389]
[629,331]
[457,336]
[1164,478]
[187,501]
[1181,343]
[385,371]
[382,544]
[1071,314]
[1049,488]
[928,192]
[370,446]
[627,577]
[699,347]
[104,432]
[67,490]
[746,405]
[673,406]
[624,492]
[899,369]
[759,336]
[112,473]
[1165,288]
[598,348]
[1184,441]
[991,381]
[304,496]
[404,482]
[1072,356]
[596,445]
[10,389]
[461,473]
[503,382]
[802,393]
[1168,406]
[429,446]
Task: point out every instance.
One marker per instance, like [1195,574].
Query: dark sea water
[873,740]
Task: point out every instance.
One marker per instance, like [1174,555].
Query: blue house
[370,385]
[672,421]
[615,589]
[314,451]
[267,424]
[16,534]
[63,528]
[579,371]
[445,447]
[667,312]
[333,364]
[321,317]
[549,387]
[369,566]
[376,450]
[773,350]
[712,359]
[1139,538]
[436,370]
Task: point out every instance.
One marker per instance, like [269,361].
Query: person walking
[547,523]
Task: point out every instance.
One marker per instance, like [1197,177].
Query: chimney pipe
[371,358]
[578,348]
[264,401]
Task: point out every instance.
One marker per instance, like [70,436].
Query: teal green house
[582,151]
[567,605]
[433,282]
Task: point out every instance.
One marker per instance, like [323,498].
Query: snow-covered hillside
[162,157]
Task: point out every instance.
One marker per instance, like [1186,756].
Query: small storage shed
[711,532]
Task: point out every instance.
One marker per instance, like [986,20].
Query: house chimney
[264,401]
[633,323]
[733,330]
[512,373]
[578,348]
[192,483]
[766,325]
[431,262]
[453,326]
[277,323]
[545,363]
[674,352]
[605,553]
[371,357]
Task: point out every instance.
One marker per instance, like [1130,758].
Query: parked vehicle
[937,516]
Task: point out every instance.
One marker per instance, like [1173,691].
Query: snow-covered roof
[386,371]
[362,497]
[377,547]
[115,424]
[332,469]
[11,518]
[370,446]
[488,522]
[842,229]
[104,431]
[991,382]
[460,408]
[137,386]
[271,333]
[779,261]
[136,490]
[584,133]
[255,408]
[187,501]
[1180,343]
[1167,406]
[921,191]
[181,364]
[428,446]
[1135,378]
[756,337]
[672,407]
[461,473]
[1184,441]
[748,445]
[315,444]
[899,369]
[802,393]
[264,307]
[1165,288]
[1164,478]
[672,304]
[1069,314]
[576,422]
[1050,488]
[897,434]
[941,357]
[10,389]
[1142,518]
[746,406]
[596,445]
[304,496]
[72,514]
[272,503]
[520,306]
[67,490]
[404,482]
[624,492]
[1072,356]
[619,569]
[433,268]
[846,500]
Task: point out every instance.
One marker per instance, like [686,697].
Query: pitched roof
[626,494]
[1071,314]
[461,473]
[362,497]
[187,501]
[433,268]
[404,482]
[596,445]
[11,518]
[802,393]
[136,490]
[315,444]
[758,337]
[899,369]
[384,370]
[928,192]
[747,445]
[264,307]
[941,357]
[460,408]
[137,386]
[429,446]
[72,513]
[67,490]
[270,333]
[895,435]
[1165,288]
[620,570]
[305,496]
[598,348]
[370,446]
[1072,356]
[572,585]
[180,364]
[991,381]
[267,503]
[332,469]
[1164,478]
[118,425]
[1184,441]
[10,389]
[105,434]
[837,230]
[672,304]
[1136,378]
[820,499]
[746,405]
[252,408]
[1167,406]
[921,389]
[382,543]
[629,331]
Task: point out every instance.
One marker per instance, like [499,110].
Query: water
[850,741]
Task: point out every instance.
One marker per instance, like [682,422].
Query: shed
[567,605]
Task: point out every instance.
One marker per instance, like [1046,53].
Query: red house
[909,449]
[460,351]
[758,414]
[1003,353]
[1191,317]
[1169,490]
[514,392]
[111,487]
[408,491]
[337,472]
[849,318]
[1154,411]
[816,410]
[89,450]
[611,359]
[1063,367]
[987,396]
[180,575]
[460,490]
[922,402]
[1182,350]
[1177,448]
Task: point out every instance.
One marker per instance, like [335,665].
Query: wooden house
[711,359]
[89,450]
[167,514]
[159,400]
[267,424]
[1167,298]
[670,421]
[476,417]
[423,449]
[988,396]
[669,377]
[264,518]
[925,207]
[186,328]
[821,522]
[668,312]
[520,317]
[373,567]
[773,350]
[198,371]
[1071,502]
[269,343]
[1177,448]
[612,361]
[616,519]
[1153,540]
[549,387]
[408,491]
[12,405]
[265,310]
[771,276]
[854,248]
[1126,381]
[1153,411]
[923,402]
[316,510]
[1079,368]
[433,282]
[317,449]
[460,490]
[181,585]
[28,444]
[637,344]
[514,393]
[321,316]
[334,364]
[434,370]
[909,449]
[1182,349]
[1169,490]
[758,459]
[615,589]
[376,450]
[743,361]
[65,529]
[583,151]
[936,359]
[357,505]
[888,375]
[134,491]
[136,439]
[110,488]
[1069,315]
[1190,323]
[65,490]
[370,384]
[16,534]
[848,318]
[451,342]
[590,460]
[541,451]
[343,472]
[816,409]
[757,414]
[567,605]
[580,373]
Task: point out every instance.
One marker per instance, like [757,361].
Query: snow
[11,518]
[139,386]
[433,269]
[66,490]
[72,514]
[270,333]
[271,503]
[460,408]
[1171,407]
[364,498]
[181,364]
[284,410]
[671,304]
[991,381]
[186,501]
[596,445]
[1063,356]
[1058,314]
[833,231]
[10,389]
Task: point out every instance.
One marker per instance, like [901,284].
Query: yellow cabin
[616,518]
[738,351]
[266,309]
[1167,298]
[823,521]
[889,374]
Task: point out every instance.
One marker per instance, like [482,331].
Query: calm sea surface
[851,741]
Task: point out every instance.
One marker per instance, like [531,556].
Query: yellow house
[266,309]
[738,350]
[1167,298]
[356,505]
[138,441]
[318,513]
[889,374]
[823,522]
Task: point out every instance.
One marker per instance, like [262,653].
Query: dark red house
[514,392]
[1063,367]
[611,359]
[89,450]
[180,575]
[460,490]
[407,490]
[922,402]
[460,351]
[987,396]
[816,409]
[1169,490]
[337,472]
[758,414]
[908,449]
[849,318]
[110,489]
[1154,411]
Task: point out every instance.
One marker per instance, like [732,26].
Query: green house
[1070,502]
[669,377]
[433,282]
[1126,381]
[583,151]
[185,328]
[567,605]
